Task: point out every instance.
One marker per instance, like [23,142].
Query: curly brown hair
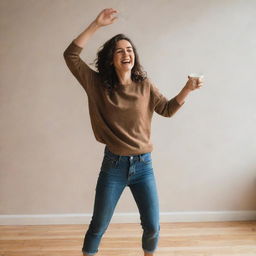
[106,69]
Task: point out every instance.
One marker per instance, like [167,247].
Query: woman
[121,103]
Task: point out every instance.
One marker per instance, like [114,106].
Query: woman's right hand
[105,17]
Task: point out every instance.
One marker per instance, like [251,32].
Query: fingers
[199,85]
[114,10]
[200,82]
[110,11]
[114,19]
[107,17]
[200,79]
[195,83]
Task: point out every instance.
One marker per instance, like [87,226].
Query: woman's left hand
[194,83]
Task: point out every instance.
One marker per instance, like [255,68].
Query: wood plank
[176,239]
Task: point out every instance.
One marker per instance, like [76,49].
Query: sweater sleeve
[162,105]
[83,73]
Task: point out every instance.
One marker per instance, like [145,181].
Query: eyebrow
[122,48]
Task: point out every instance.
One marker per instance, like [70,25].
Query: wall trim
[201,216]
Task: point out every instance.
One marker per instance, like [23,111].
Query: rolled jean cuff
[147,251]
[89,253]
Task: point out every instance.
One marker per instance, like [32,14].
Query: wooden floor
[176,239]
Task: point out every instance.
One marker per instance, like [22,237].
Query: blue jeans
[116,173]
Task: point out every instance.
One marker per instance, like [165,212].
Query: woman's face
[124,57]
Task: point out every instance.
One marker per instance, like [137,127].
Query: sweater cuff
[74,48]
[178,102]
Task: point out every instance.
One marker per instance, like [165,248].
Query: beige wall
[204,157]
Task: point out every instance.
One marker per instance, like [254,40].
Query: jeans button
[131,157]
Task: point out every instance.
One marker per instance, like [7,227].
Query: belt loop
[117,161]
[140,158]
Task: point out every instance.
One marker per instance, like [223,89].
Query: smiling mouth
[126,62]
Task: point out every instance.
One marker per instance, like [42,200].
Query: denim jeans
[117,172]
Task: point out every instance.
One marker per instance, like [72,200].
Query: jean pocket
[146,159]
[109,162]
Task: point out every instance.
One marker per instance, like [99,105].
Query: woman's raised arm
[104,18]
[83,73]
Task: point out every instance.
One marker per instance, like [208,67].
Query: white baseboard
[51,219]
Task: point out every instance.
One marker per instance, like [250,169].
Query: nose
[125,53]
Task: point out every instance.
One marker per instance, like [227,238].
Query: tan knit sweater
[122,121]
